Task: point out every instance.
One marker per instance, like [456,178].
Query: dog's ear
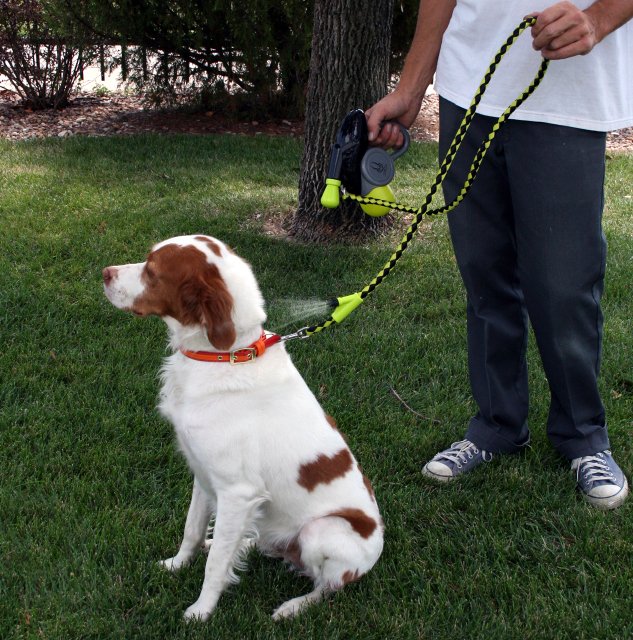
[206,300]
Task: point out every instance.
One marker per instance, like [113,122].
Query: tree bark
[349,68]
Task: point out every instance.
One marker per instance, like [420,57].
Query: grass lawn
[92,491]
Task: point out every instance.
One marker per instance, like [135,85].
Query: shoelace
[460,452]
[595,468]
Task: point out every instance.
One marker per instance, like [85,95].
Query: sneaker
[601,480]
[459,458]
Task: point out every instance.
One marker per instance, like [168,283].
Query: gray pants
[529,244]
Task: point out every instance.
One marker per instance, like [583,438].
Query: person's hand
[383,130]
[562,31]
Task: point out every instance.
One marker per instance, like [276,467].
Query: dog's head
[191,282]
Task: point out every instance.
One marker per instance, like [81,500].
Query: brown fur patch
[325,469]
[363,524]
[214,246]
[350,576]
[370,489]
[289,552]
[332,422]
[179,282]
[292,553]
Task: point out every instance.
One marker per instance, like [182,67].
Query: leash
[345,305]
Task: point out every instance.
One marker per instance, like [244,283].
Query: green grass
[92,492]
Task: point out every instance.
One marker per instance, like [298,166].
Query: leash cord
[423,210]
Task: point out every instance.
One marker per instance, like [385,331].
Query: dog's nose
[109,273]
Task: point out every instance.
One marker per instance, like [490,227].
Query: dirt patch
[118,114]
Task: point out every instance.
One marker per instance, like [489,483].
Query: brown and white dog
[266,459]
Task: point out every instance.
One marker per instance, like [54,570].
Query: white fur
[245,431]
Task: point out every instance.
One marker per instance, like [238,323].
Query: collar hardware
[242,356]
[237,356]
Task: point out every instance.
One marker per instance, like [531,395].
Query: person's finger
[390,136]
[563,20]
[577,48]
[374,116]
[380,129]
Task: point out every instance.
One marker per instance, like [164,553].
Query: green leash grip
[345,305]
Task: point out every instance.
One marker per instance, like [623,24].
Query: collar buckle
[243,355]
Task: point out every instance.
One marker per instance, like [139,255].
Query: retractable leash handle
[344,305]
[359,168]
[377,170]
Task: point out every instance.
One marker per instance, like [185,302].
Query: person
[527,238]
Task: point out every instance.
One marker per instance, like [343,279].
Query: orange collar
[238,356]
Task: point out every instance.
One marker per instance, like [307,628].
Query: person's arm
[403,104]
[563,30]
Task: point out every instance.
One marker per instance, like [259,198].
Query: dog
[268,463]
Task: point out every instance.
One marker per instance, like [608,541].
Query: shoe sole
[612,502]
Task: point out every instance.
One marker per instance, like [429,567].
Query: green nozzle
[345,306]
[331,195]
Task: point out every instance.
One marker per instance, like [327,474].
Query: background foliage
[211,48]
[42,51]
[250,57]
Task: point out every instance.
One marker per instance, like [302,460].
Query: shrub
[36,56]
[181,51]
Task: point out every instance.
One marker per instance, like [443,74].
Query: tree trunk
[349,68]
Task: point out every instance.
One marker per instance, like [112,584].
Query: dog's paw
[288,609]
[292,607]
[174,564]
[197,613]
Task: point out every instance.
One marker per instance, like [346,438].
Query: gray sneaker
[601,480]
[459,458]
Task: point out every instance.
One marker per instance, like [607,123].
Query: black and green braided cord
[423,210]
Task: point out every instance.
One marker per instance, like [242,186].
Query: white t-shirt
[592,92]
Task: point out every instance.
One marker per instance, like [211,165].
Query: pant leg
[556,177]
[482,231]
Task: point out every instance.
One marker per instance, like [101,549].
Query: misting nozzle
[345,305]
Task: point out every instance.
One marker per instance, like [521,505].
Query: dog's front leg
[198,517]
[235,515]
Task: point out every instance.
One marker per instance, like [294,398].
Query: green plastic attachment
[346,305]
[331,195]
[380,193]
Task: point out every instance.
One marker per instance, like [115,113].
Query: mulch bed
[119,114]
